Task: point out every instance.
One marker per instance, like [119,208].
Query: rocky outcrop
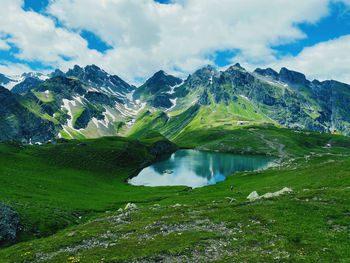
[9,224]
[27,84]
[204,99]
[101,98]
[161,101]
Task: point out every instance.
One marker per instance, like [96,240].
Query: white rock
[253,196]
[130,206]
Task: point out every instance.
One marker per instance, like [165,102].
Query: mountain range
[88,103]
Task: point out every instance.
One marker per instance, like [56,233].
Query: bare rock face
[9,224]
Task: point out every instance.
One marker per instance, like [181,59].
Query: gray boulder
[9,224]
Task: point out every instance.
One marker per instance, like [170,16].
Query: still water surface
[196,168]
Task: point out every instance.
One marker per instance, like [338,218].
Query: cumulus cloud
[326,60]
[146,36]
[38,38]
[13,68]
[4,45]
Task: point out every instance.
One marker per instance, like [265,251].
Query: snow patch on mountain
[67,105]
[173,101]
[172,88]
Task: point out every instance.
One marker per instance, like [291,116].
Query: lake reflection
[196,168]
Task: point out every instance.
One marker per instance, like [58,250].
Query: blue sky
[135,38]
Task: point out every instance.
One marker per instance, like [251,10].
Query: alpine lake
[195,168]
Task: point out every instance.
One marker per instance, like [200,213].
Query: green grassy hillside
[53,185]
[262,139]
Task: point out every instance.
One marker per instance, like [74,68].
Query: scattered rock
[230,199]
[120,210]
[278,193]
[254,195]
[130,206]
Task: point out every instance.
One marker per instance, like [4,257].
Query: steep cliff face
[18,123]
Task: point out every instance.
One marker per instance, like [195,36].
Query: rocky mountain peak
[99,79]
[292,77]
[75,72]
[4,80]
[269,72]
[237,65]
[161,79]
[56,73]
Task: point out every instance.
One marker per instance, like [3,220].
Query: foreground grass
[205,225]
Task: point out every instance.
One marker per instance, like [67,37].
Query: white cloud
[13,68]
[4,45]
[326,60]
[146,36]
[38,39]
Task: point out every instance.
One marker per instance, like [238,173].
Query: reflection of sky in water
[195,168]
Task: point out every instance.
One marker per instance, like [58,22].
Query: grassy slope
[196,117]
[147,121]
[36,108]
[266,140]
[52,185]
